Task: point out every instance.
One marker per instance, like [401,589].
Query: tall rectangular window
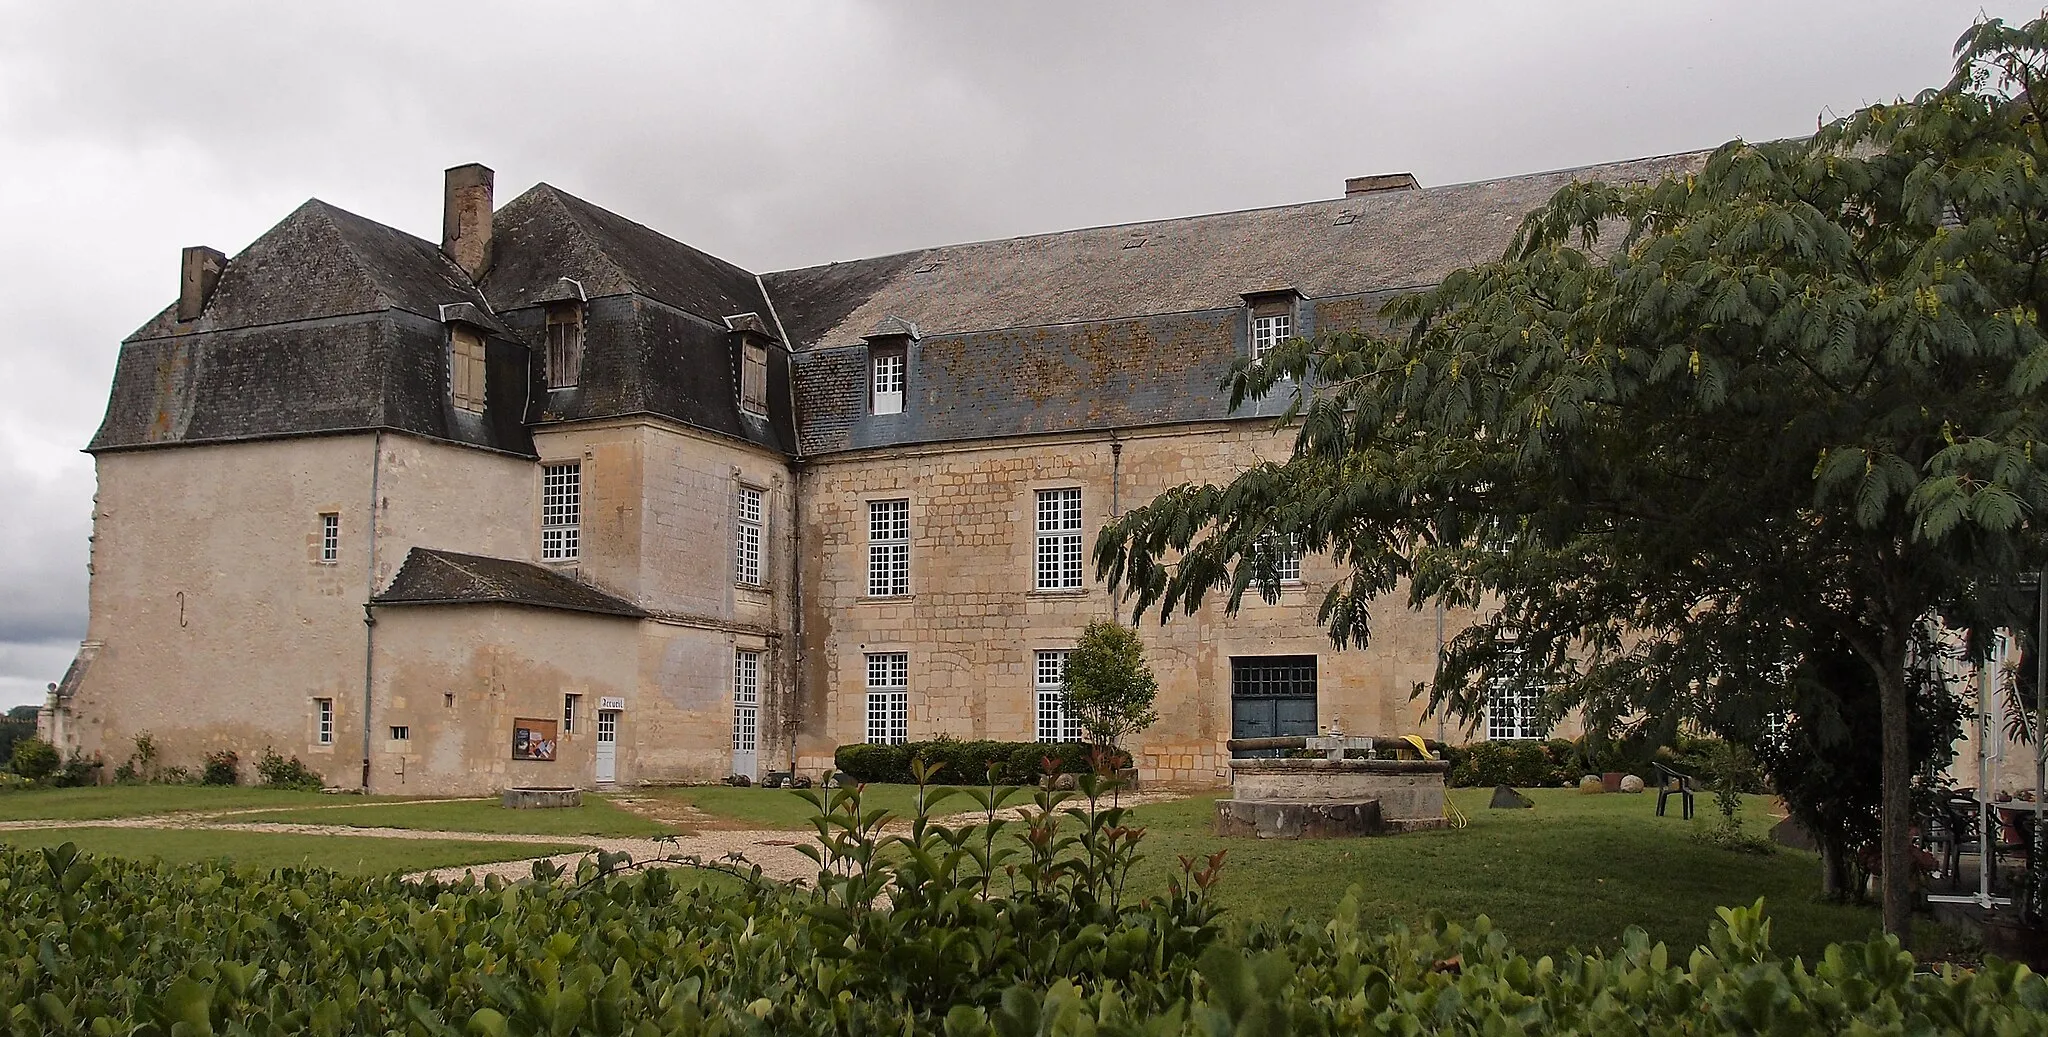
[571,705]
[888,382]
[466,368]
[1284,554]
[1055,724]
[565,346]
[1513,703]
[746,700]
[888,548]
[330,537]
[323,721]
[561,510]
[746,546]
[1059,539]
[754,376]
[888,698]
[1269,330]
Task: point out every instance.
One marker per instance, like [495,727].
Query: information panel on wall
[533,739]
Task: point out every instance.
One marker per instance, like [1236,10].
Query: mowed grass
[787,809]
[596,817]
[104,802]
[362,855]
[1577,870]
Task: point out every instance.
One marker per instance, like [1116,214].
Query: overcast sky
[780,135]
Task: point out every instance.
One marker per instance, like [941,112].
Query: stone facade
[419,393]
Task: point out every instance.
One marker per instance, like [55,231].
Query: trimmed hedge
[1561,762]
[962,762]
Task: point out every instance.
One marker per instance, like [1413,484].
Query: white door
[607,745]
[746,711]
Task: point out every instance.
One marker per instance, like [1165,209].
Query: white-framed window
[1513,704]
[1269,330]
[746,700]
[561,509]
[571,706]
[1285,552]
[746,532]
[888,698]
[401,733]
[330,537]
[887,370]
[1055,724]
[888,548]
[1059,539]
[323,721]
[466,369]
[565,346]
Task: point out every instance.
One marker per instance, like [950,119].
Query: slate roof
[547,234]
[1343,246]
[434,577]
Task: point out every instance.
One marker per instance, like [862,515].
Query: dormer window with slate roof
[1272,319]
[888,364]
[565,344]
[753,360]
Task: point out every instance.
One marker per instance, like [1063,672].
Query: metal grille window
[323,721]
[401,733]
[569,704]
[889,698]
[1513,703]
[1059,539]
[888,382]
[888,548]
[561,509]
[565,347]
[746,700]
[1273,676]
[1269,331]
[330,537]
[747,537]
[1055,724]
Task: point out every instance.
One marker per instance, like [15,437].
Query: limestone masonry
[560,501]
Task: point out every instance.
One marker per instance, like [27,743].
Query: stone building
[562,500]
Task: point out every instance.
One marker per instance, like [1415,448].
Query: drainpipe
[370,591]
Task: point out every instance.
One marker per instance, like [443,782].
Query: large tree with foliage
[1683,432]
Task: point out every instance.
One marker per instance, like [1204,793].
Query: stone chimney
[466,218]
[1378,182]
[198,273]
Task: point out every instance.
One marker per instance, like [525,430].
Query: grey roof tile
[434,577]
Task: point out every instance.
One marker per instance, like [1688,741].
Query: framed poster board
[533,739]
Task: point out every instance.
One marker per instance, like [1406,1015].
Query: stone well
[1320,798]
[532,798]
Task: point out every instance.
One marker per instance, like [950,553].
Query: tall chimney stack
[198,273]
[466,218]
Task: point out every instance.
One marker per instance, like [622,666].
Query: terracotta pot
[1611,781]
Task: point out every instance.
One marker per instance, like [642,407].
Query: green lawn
[356,854]
[101,802]
[1575,871]
[783,808]
[595,817]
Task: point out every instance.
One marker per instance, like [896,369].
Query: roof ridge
[325,211]
[564,198]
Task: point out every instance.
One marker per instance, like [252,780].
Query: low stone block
[1276,819]
[541,798]
[1505,798]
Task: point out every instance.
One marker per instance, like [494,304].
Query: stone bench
[542,798]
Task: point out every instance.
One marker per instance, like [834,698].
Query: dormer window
[887,367]
[753,337]
[1272,319]
[466,368]
[565,344]
[888,364]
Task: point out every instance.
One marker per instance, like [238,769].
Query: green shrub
[278,772]
[967,762]
[223,767]
[12,782]
[34,759]
[77,772]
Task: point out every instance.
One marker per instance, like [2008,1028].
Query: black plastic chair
[1674,783]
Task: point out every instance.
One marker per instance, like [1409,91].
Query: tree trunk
[1896,842]
[1835,880]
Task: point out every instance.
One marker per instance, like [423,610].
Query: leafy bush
[278,772]
[1560,762]
[967,762]
[34,759]
[12,782]
[77,772]
[223,767]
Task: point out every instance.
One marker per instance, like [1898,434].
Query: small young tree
[1109,686]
